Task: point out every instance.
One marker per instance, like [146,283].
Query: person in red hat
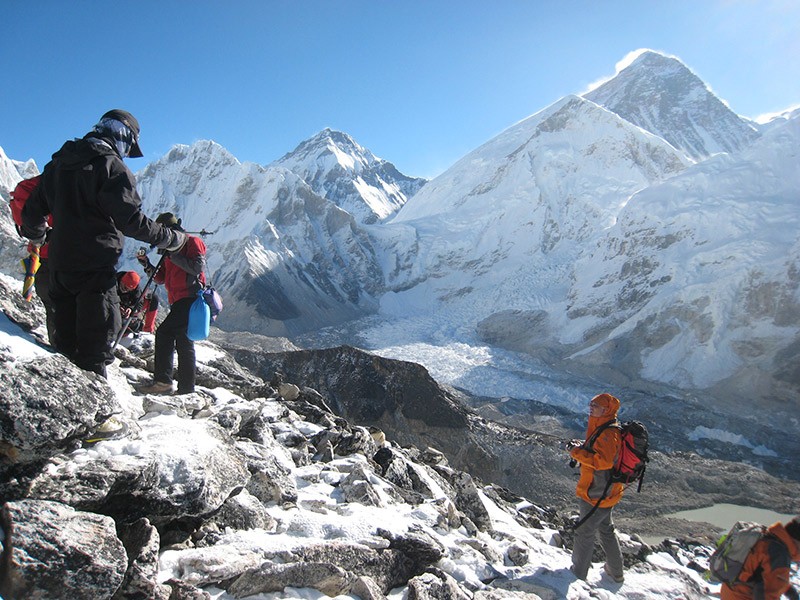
[91,195]
[141,309]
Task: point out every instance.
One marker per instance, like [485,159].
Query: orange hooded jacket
[769,561]
[596,464]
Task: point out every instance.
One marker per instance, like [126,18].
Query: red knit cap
[130,281]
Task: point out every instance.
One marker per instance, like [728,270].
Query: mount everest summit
[661,95]
[642,235]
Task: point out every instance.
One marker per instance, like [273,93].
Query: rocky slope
[251,486]
[401,399]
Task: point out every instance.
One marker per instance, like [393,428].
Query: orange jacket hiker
[765,573]
[596,464]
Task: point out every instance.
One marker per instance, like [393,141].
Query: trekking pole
[202,232]
[128,319]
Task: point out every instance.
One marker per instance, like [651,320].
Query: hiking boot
[157,387]
[616,578]
[110,429]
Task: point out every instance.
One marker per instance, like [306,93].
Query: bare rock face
[142,544]
[59,552]
[161,482]
[47,403]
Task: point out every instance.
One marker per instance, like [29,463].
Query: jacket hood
[779,531]
[74,154]
[611,405]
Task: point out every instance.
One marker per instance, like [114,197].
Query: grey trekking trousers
[600,524]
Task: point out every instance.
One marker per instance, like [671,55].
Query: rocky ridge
[266,490]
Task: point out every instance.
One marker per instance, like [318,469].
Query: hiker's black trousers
[171,336]
[42,286]
[86,316]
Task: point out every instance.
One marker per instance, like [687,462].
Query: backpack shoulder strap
[589,444]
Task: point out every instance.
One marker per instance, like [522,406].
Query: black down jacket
[92,197]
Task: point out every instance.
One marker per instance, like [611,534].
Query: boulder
[142,543]
[59,552]
[153,477]
[46,404]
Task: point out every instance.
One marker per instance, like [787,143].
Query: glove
[39,241]
[42,239]
[568,446]
[176,243]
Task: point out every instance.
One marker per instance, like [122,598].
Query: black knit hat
[123,116]
[169,220]
[793,528]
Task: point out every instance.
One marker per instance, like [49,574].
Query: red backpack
[19,197]
[631,461]
[632,458]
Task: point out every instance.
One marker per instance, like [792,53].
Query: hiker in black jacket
[92,197]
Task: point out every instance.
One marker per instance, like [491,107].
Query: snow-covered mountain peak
[657,63]
[329,148]
[14,171]
[660,94]
[520,206]
[202,155]
[341,170]
[571,149]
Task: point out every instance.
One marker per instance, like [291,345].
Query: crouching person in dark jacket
[182,274]
[92,197]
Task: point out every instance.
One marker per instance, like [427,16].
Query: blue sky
[418,82]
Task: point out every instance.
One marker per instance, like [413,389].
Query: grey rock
[289,391]
[366,588]
[243,511]
[435,585]
[270,469]
[356,487]
[270,577]
[47,403]
[185,591]
[357,441]
[517,554]
[142,543]
[59,552]
[163,482]
[469,502]
[419,548]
